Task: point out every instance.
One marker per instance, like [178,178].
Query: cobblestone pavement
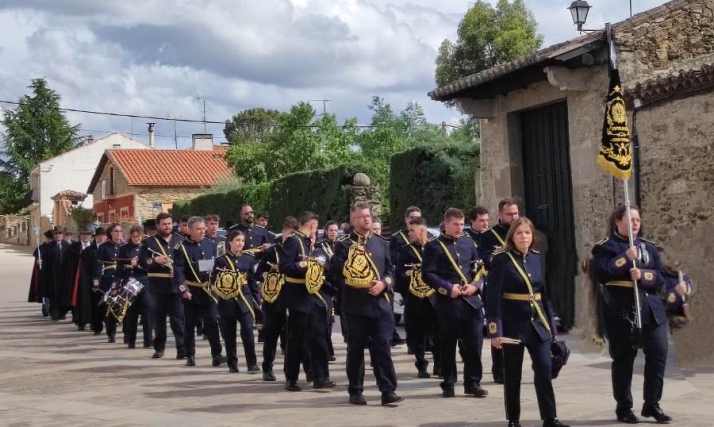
[53,374]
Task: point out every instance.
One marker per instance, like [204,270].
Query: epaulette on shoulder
[381,237]
[178,245]
[248,254]
[648,241]
[535,251]
[601,242]
[432,239]
[343,237]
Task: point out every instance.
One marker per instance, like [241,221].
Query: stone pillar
[362,190]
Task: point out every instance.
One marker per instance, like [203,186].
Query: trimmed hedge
[434,179]
[321,191]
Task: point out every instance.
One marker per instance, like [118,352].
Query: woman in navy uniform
[240,309]
[519,321]
[617,265]
[105,271]
[128,267]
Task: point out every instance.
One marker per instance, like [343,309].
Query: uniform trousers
[377,332]
[167,305]
[307,329]
[274,319]
[98,310]
[470,332]
[654,341]
[539,352]
[420,319]
[201,305]
[141,305]
[229,324]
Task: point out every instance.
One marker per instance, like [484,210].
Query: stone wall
[16,230]
[147,196]
[677,176]
[674,36]
[501,159]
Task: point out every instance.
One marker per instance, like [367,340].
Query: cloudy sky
[157,57]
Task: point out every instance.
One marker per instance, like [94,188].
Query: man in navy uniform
[491,240]
[307,319]
[156,257]
[255,236]
[362,267]
[449,267]
[193,263]
[420,301]
[478,216]
[261,220]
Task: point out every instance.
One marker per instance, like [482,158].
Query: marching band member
[519,318]
[361,267]
[192,276]
[128,267]
[449,267]
[239,298]
[156,257]
[617,266]
[327,246]
[105,272]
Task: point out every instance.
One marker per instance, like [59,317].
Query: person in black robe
[52,279]
[35,294]
[82,256]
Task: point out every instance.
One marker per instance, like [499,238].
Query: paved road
[52,374]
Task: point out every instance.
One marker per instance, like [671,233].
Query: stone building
[134,185]
[541,123]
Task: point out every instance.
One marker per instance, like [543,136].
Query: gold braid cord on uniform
[229,284]
[358,269]
[314,277]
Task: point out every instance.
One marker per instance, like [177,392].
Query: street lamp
[579,10]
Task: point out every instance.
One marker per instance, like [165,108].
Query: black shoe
[398,341]
[253,369]
[45,313]
[292,386]
[111,338]
[308,377]
[436,372]
[423,374]
[553,422]
[81,327]
[131,345]
[97,333]
[626,416]
[219,360]
[232,368]
[410,351]
[357,399]
[331,359]
[269,376]
[655,412]
[180,354]
[148,344]
[191,361]
[514,424]
[498,379]
[476,391]
[390,399]
[158,354]
[322,383]
[448,392]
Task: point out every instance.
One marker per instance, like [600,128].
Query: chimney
[151,134]
[202,141]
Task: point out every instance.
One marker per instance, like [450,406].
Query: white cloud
[142,57]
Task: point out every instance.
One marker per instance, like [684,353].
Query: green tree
[251,125]
[487,37]
[36,131]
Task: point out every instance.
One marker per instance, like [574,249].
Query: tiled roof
[449,91]
[664,85]
[443,93]
[167,168]
[69,194]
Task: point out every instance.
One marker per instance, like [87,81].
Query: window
[100,217]
[104,189]
[124,213]
[112,216]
